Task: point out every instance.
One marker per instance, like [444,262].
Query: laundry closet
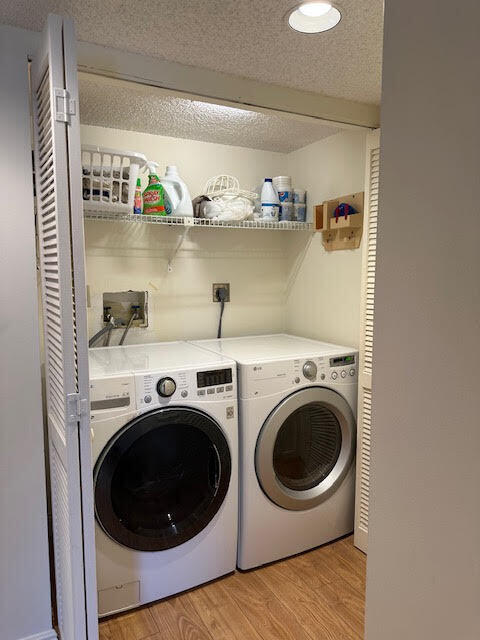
[286,276]
[113,276]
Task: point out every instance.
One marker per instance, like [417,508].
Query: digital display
[341,361]
[213,378]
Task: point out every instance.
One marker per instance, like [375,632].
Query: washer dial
[310,370]
[166,387]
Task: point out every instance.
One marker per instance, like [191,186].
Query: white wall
[24,564]
[324,289]
[423,579]
[121,257]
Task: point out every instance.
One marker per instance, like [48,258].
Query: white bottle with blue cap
[269,200]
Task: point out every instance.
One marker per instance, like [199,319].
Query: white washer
[165,450]
[297,404]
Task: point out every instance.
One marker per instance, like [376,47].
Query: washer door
[305,448]
[161,479]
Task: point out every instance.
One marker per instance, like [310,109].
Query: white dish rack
[109,177]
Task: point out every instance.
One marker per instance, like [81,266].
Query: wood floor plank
[349,564]
[104,630]
[338,566]
[347,602]
[220,614]
[321,620]
[272,620]
[314,564]
[134,625]
[177,619]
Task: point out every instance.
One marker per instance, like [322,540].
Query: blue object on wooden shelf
[343,210]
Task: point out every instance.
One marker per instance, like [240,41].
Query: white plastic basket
[109,177]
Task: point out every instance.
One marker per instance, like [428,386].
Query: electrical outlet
[220,285]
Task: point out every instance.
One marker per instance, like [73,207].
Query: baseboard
[51,634]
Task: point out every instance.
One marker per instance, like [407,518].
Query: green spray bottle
[154,195]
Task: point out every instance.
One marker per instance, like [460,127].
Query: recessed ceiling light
[315,9]
[314,17]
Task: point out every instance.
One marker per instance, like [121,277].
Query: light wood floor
[318,595]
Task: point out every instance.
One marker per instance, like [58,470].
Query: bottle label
[151,196]
[285,196]
[270,210]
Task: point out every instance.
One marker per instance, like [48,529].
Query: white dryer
[165,450]
[297,404]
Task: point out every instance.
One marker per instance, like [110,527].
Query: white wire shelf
[197,222]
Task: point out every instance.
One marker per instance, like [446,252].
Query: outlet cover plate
[220,285]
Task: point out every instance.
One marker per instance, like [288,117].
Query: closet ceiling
[117,104]
[249,38]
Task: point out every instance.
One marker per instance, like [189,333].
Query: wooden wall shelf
[343,233]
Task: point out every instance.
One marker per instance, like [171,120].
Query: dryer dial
[166,387]
[310,370]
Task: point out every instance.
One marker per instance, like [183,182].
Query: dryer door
[162,478]
[305,448]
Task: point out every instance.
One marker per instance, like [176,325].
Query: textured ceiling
[248,38]
[125,105]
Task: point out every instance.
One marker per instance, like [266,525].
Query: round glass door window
[161,479]
[305,448]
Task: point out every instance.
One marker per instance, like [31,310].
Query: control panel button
[352,372]
[201,392]
[147,399]
[210,391]
[344,374]
[334,375]
[297,380]
[229,387]
[220,389]
[166,387]
[310,370]
[184,393]
[322,376]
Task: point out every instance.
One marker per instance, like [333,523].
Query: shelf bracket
[184,235]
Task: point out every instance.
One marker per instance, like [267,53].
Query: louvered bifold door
[364,431]
[59,217]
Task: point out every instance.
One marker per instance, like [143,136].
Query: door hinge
[76,407]
[64,105]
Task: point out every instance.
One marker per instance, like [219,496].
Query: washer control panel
[270,377]
[153,389]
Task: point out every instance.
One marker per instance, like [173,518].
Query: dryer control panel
[194,385]
[282,375]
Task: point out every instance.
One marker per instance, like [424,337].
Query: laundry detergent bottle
[177,192]
[154,195]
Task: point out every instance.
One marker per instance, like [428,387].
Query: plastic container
[109,178]
[269,201]
[154,196]
[287,212]
[178,194]
[138,201]
[300,209]
[299,196]
[283,186]
[282,183]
